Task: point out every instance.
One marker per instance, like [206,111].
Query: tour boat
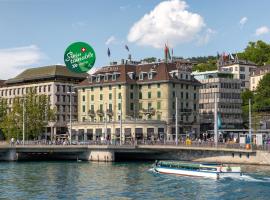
[196,169]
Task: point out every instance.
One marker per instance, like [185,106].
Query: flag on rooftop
[126,46]
[167,53]
[108,52]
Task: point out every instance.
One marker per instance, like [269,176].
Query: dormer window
[141,76]
[114,77]
[98,79]
[150,75]
[131,75]
[106,77]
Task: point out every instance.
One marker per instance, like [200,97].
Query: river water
[122,180]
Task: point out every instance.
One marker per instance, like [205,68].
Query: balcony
[100,113]
[91,113]
[149,111]
[109,112]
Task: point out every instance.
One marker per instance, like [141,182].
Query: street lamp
[70,113]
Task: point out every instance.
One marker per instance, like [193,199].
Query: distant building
[54,81]
[2,83]
[257,75]
[227,89]
[145,95]
[240,68]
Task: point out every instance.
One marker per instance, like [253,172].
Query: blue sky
[37,32]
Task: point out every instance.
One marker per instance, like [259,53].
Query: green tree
[262,97]
[37,114]
[246,95]
[149,59]
[257,52]
[209,65]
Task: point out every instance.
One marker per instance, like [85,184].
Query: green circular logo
[79,57]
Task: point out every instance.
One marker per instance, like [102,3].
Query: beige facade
[55,84]
[241,70]
[257,75]
[145,97]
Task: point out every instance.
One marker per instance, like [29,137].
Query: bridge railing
[204,144]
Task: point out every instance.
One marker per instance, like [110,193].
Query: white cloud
[262,30]
[111,40]
[206,36]
[14,60]
[243,21]
[79,24]
[168,21]
[123,8]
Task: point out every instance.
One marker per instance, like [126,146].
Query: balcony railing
[109,112]
[91,113]
[100,112]
[149,111]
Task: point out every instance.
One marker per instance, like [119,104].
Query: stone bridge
[133,152]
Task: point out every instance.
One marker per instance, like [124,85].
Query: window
[173,105]
[83,108]
[242,69]
[242,76]
[110,107]
[114,77]
[110,96]
[92,97]
[173,94]
[173,85]
[101,88]
[159,94]
[92,107]
[158,85]
[158,105]
[158,117]
[140,95]
[119,86]
[187,95]
[131,95]
[110,87]
[194,96]
[106,77]
[149,95]
[149,105]
[131,106]
[92,89]
[194,107]
[131,87]
[98,78]
[236,68]
[119,95]
[64,88]
[149,86]
[150,75]
[119,106]
[140,106]
[187,87]
[83,98]
[182,95]
[101,97]
[101,107]
[141,76]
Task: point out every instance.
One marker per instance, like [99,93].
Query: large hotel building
[137,101]
[55,81]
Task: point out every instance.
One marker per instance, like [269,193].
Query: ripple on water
[86,180]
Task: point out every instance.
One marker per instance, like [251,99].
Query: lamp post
[23,120]
[70,114]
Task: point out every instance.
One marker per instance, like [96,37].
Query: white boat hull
[194,173]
